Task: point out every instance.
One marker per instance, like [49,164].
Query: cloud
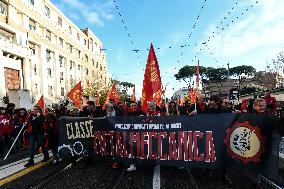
[95,12]
[260,31]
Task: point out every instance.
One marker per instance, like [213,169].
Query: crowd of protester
[42,126]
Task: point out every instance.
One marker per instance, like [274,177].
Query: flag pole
[24,126]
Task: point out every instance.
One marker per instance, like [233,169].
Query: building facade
[44,53]
[261,80]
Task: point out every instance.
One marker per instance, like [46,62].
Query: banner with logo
[208,141]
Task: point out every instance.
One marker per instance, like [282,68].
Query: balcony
[10,46]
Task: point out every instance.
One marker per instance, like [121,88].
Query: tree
[187,72]
[242,72]
[276,65]
[216,75]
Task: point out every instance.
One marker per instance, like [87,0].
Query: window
[31,2]
[32,25]
[93,62]
[85,42]
[97,65]
[50,92]
[101,76]
[62,91]
[48,55]
[59,21]
[61,77]
[87,71]
[36,88]
[71,80]
[32,49]
[49,73]
[35,70]
[91,43]
[78,67]
[78,37]
[61,42]
[93,73]
[70,30]
[79,53]
[3,8]
[71,65]
[71,49]
[48,35]
[86,58]
[47,11]
[101,68]
[60,61]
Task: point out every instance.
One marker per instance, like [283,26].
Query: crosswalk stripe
[156,178]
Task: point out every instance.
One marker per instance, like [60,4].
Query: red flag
[152,81]
[192,95]
[133,97]
[112,94]
[75,95]
[40,103]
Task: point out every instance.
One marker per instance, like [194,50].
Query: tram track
[53,175]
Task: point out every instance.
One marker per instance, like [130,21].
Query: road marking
[156,178]
[22,173]
[8,170]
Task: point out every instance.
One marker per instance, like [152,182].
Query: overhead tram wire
[214,34]
[192,29]
[127,32]
[221,22]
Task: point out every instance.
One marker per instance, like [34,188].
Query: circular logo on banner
[244,142]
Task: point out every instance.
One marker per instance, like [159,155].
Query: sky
[215,32]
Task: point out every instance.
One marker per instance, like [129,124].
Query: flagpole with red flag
[133,97]
[40,103]
[197,83]
[75,95]
[152,84]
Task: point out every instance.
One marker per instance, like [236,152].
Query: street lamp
[228,81]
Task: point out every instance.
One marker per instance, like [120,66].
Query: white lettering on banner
[151,126]
[80,130]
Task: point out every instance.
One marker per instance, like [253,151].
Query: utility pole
[228,88]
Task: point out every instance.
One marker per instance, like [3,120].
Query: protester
[259,106]
[152,109]
[19,120]
[110,112]
[214,106]
[6,129]
[244,105]
[36,134]
[271,102]
[52,130]
[135,110]
[173,108]
[93,110]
